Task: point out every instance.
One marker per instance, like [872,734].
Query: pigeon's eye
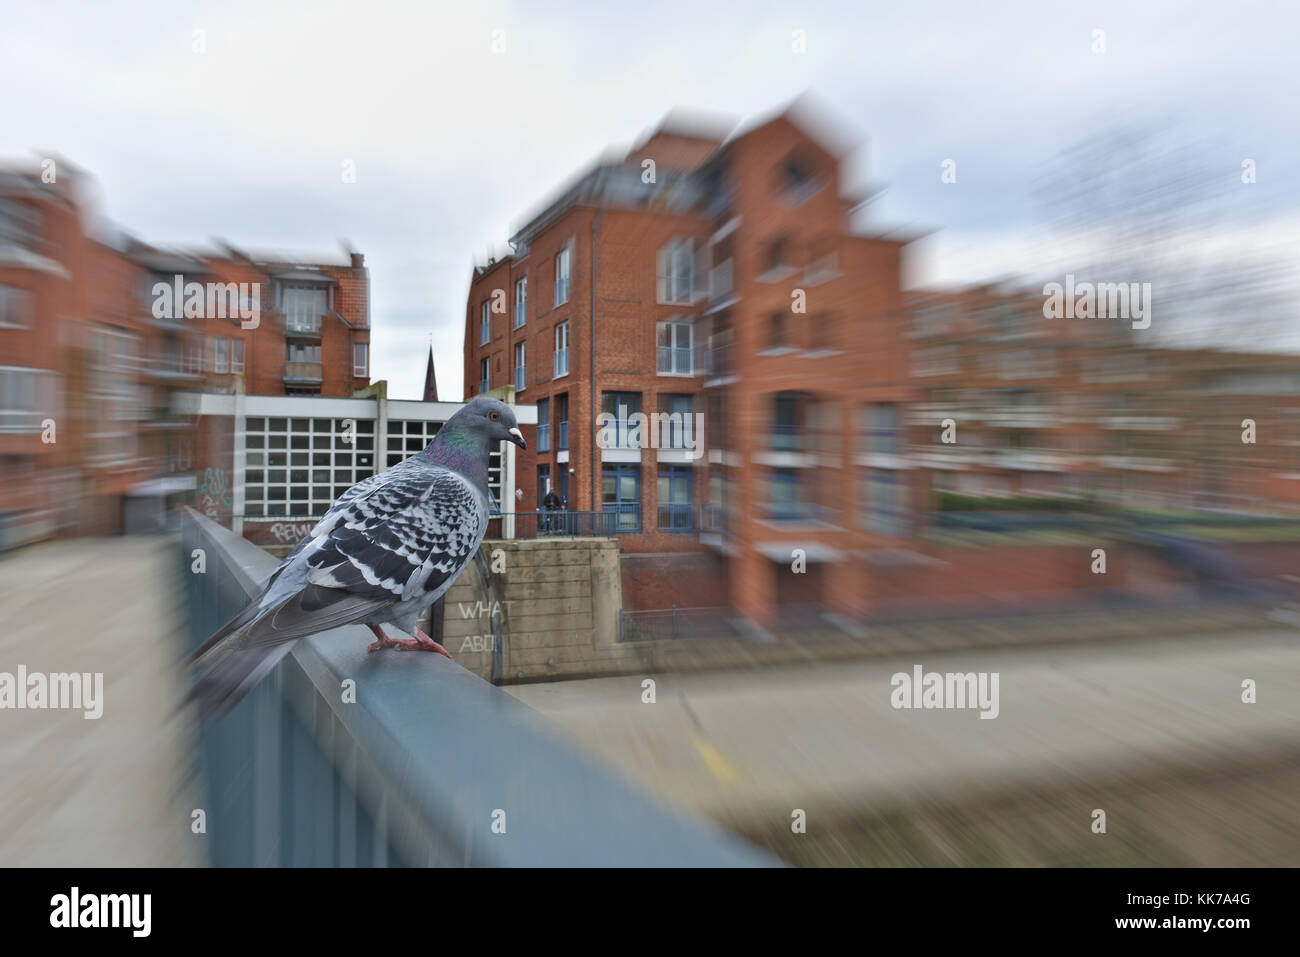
[494,416]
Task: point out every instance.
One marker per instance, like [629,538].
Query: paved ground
[749,747]
[94,792]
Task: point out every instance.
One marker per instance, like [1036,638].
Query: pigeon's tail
[228,680]
[252,643]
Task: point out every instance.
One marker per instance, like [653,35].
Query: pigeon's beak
[517,437]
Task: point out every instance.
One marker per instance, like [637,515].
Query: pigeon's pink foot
[421,642]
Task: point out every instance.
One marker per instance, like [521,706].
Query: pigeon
[386,550]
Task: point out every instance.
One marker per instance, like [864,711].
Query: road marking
[718,766]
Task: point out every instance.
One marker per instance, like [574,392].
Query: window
[543,483]
[521,301]
[15,308]
[786,496]
[776,254]
[220,354]
[620,492]
[676,271]
[361,359]
[302,352]
[27,397]
[937,360]
[562,423]
[406,437]
[562,277]
[303,307]
[484,324]
[483,375]
[882,497]
[785,422]
[675,348]
[883,428]
[674,429]
[193,364]
[298,467]
[622,406]
[543,425]
[237,355]
[521,368]
[675,512]
[561,359]
[776,330]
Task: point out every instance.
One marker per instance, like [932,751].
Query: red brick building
[99,331]
[720,277]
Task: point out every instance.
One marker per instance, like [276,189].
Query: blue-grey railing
[430,765]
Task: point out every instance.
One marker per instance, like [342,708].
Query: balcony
[302,373]
[674,360]
[303,330]
[370,786]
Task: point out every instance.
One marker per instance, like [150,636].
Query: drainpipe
[595,465]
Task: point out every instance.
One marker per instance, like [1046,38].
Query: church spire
[430,380]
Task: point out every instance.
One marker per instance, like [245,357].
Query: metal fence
[558,524]
[341,757]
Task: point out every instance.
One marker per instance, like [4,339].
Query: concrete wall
[558,604]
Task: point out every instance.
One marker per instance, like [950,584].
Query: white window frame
[484,374]
[237,355]
[361,368]
[675,271]
[563,273]
[674,348]
[484,323]
[220,355]
[521,302]
[561,350]
[299,305]
[521,366]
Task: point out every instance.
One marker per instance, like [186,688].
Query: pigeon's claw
[421,642]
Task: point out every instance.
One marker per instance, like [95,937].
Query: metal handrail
[416,770]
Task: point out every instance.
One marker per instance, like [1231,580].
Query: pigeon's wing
[400,536]
[399,540]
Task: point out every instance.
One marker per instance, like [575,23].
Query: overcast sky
[453,142]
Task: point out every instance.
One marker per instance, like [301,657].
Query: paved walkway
[825,738]
[94,792]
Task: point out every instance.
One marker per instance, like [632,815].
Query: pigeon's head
[492,419]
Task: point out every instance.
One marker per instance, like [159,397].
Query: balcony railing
[369,785]
[676,518]
[674,360]
[544,523]
[302,372]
